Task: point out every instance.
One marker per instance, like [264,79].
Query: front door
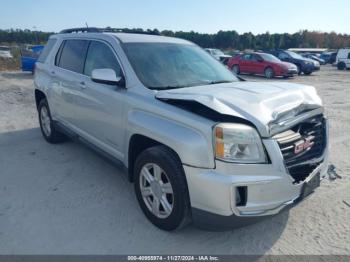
[101,105]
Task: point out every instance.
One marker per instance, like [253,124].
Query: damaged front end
[270,108]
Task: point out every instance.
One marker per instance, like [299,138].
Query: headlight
[238,143]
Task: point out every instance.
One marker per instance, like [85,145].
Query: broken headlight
[238,143]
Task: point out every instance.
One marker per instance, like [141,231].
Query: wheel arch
[193,147]
[39,95]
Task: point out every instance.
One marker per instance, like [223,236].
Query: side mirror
[260,60]
[105,76]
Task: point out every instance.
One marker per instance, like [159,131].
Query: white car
[343,59]
[5,52]
[218,54]
[199,143]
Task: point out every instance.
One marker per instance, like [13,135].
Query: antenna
[86,25]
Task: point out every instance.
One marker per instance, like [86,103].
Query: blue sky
[209,16]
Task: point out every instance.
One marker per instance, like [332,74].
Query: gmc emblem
[303,145]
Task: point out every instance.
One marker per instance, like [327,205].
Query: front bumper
[270,188]
[290,72]
[308,68]
[317,67]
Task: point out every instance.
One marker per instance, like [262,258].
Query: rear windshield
[47,49]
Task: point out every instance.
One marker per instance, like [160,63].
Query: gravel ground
[65,199]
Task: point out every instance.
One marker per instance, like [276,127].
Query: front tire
[47,126]
[161,188]
[341,66]
[269,73]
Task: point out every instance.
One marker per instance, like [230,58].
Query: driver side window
[100,56]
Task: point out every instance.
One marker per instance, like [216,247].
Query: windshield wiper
[219,82]
[167,87]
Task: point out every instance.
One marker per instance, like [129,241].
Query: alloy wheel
[156,190]
[45,121]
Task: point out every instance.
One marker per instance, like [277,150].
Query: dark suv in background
[304,65]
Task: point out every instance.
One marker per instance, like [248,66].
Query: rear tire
[48,129]
[236,70]
[269,73]
[161,188]
[341,66]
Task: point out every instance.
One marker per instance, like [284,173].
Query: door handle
[53,72]
[82,85]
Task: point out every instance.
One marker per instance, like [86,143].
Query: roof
[309,50]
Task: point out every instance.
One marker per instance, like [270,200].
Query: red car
[261,64]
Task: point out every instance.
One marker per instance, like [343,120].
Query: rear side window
[247,57]
[100,56]
[46,51]
[73,54]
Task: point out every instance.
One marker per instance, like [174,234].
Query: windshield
[167,65]
[294,55]
[270,58]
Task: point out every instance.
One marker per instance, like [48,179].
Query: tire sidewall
[175,174]
[266,73]
[237,71]
[341,66]
[43,103]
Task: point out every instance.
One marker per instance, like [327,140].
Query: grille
[292,142]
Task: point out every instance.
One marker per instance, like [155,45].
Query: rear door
[257,64]
[244,63]
[67,80]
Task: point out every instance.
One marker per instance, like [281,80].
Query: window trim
[59,53]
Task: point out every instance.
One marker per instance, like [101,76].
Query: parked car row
[315,57]
[261,64]
[279,62]
[272,63]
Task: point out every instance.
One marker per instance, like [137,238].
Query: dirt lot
[65,199]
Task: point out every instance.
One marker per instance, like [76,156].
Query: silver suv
[199,143]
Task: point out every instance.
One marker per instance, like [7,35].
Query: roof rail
[80,30]
[102,30]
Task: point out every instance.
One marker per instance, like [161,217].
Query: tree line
[221,39]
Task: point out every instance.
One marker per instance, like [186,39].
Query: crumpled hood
[261,103]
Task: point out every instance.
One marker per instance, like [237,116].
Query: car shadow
[66,199]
